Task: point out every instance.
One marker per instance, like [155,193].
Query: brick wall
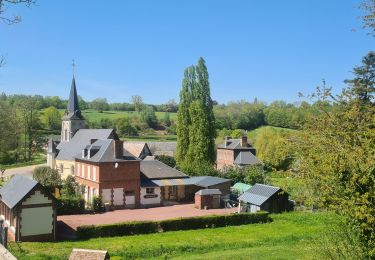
[225,157]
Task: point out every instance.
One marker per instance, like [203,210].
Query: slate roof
[258,194]
[206,181]
[103,151]
[16,189]
[246,158]
[88,254]
[162,148]
[233,144]
[68,150]
[154,169]
[209,192]
[72,110]
[136,148]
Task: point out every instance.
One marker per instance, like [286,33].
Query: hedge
[120,229]
[70,205]
[136,228]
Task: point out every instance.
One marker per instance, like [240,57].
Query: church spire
[72,110]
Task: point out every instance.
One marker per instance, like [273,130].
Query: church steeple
[72,120]
[72,110]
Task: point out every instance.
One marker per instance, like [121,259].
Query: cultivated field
[289,236]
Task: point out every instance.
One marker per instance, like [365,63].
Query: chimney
[118,149]
[244,140]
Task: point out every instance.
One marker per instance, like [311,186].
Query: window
[94,173]
[150,190]
[78,169]
[129,193]
[72,170]
[88,171]
[62,168]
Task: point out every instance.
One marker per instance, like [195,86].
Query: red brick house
[236,152]
[106,170]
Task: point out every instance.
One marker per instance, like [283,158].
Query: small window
[72,170]
[150,190]
[62,168]
[129,193]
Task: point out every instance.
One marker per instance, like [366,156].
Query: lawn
[289,236]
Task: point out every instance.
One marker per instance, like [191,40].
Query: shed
[28,210]
[264,197]
[88,254]
[207,199]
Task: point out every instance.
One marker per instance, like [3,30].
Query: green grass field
[289,236]
[93,115]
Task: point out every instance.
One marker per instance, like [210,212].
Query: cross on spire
[73,66]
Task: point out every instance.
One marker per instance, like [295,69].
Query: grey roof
[209,192]
[103,151]
[16,189]
[72,110]
[233,144]
[258,194]
[154,169]
[206,181]
[68,150]
[165,148]
[246,158]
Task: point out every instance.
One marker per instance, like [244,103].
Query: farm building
[28,210]
[264,197]
[207,199]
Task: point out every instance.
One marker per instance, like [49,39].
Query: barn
[264,197]
[28,210]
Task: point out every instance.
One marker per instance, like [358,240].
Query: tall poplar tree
[195,120]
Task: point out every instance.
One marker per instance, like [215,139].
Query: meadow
[290,236]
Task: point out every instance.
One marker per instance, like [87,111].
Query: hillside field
[290,236]
[93,115]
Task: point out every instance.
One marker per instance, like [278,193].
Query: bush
[166,159]
[70,205]
[49,178]
[98,205]
[120,229]
[213,221]
[136,228]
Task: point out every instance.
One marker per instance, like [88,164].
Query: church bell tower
[72,120]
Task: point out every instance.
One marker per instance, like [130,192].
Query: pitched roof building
[264,197]
[138,149]
[236,152]
[28,209]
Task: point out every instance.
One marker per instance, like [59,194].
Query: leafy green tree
[83,105]
[249,174]
[10,132]
[125,128]
[336,155]
[237,133]
[49,178]
[168,160]
[51,118]
[183,115]
[167,119]
[70,187]
[137,102]
[99,104]
[148,116]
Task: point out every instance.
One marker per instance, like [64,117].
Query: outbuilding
[28,210]
[207,199]
[264,197]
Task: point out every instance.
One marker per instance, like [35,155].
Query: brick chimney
[244,140]
[118,149]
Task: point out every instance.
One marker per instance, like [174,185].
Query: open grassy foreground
[289,236]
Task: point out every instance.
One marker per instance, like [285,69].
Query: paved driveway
[27,171]
[158,213]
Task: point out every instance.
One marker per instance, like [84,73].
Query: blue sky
[266,49]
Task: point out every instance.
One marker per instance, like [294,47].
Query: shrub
[98,205]
[70,205]
[135,228]
[166,159]
[120,229]
[49,178]
[213,221]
